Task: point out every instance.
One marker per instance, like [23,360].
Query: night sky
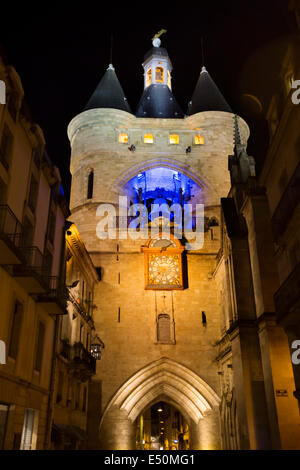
[62,54]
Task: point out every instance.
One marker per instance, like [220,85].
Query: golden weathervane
[157,35]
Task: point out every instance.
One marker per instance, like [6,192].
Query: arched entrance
[162,427]
[163,380]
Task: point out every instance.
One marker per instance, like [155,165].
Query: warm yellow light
[161,421]
[159,74]
[199,139]
[169,79]
[123,138]
[148,77]
[159,409]
[174,139]
[148,138]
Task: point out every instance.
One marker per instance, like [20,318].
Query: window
[148,138]
[40,347]
[60,385]
[90,187]
[163,328]
[6,147]
[148,77]
[84,399]
[199,140]
[294,254]
[77,395]
[169,79]
[28,231]
[47,263]
[69,393]
[29,434]
[89,303]
[33,193]
[174,139]
[123,138]
[82,293]
[3,422]
[51,225]
[159,75]
[15,330]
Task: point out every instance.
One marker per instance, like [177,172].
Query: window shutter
[27,429]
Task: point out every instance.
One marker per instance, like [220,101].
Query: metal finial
[155,40]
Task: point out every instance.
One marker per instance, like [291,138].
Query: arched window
[159,74]
[148,77]
[90,185]
[163,328]
[213,222]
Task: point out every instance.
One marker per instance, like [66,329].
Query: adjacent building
[74,364]
[32,221]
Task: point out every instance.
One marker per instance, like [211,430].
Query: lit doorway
[162,427]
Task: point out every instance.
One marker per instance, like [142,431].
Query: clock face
[164,270]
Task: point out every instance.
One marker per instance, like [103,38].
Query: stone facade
[127,313]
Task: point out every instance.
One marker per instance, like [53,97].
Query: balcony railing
[81,361]
[82,357]
[10,236]
[288,295]
[80,309]
[55,299]
[33,274]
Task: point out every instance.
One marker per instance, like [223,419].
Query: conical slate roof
[157,101]
[109,93]
[207,96]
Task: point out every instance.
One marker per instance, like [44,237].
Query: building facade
[74,364]
[32,219]
[188,328]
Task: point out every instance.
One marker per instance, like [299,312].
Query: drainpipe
[54,351]
[51,391]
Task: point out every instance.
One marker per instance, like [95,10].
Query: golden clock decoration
[163,263]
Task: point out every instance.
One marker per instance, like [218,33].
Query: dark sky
[61,53]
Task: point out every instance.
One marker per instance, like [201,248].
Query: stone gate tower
[160,306]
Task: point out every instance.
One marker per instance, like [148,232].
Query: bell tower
[157,66]
[154,293]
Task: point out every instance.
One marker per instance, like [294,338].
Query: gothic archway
[175,383]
